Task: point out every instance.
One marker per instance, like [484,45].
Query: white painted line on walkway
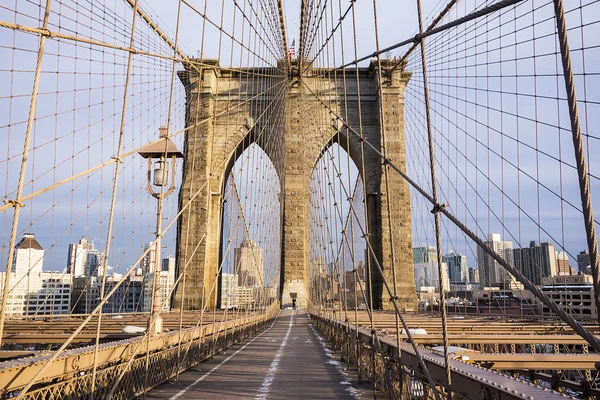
[338,365]
[264,389]
[191,385]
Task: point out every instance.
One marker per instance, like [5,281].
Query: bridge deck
[287,361]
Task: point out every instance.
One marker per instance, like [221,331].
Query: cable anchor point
[438,207]
[14,203]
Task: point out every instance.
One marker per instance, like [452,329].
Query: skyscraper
[168,264]
[248,264]
[166,282]
[583,262]
[77,260]
[426,275]
[229,290]
[95,263]
[148,262]
[490,272]
[354,280]
[458,271]
[473,275]
[536,261]
[424,254]
[562,264]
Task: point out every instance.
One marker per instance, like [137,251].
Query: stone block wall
[219,103]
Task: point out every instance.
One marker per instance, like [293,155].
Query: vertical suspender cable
[435,211]
[386,169]
[16,203]
[114,193]
[582,171]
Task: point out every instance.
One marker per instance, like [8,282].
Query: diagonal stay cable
[575,325]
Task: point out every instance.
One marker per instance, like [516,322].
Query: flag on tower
[292,50]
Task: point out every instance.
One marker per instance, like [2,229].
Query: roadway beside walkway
[289,360]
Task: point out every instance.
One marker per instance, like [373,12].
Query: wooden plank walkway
[287,361]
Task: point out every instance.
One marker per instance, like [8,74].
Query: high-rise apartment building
[458,271]
[28,256]
[473,275]
[536,262]
[583,262]
[77,260]
[426,275]
[249,264]
[425,254]
[490,272]
[52,297]
[148,262]
[354,285]
[166,282]
[95,263]
[562,264]
[229,290]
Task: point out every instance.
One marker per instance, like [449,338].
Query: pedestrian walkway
[289,360]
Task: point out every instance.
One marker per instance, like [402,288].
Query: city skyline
[76,289]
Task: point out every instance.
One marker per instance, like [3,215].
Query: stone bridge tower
[220,125]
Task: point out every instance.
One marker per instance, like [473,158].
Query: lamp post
[159,155]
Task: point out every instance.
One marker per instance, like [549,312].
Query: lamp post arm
[173,175]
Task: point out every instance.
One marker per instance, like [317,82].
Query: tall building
[229,290]
[473,275]
[245,297]
[426,254]
[490,272]
[583,262]
[77,260]
[95,263]
[536,262]
[168,264]
[353,282]
[166,282]
[426,275]
[130,295]
[325,282]
[149,260]
[562,264]
[458,271]
[81,297]
[28,256]
[32,290]
[249,265]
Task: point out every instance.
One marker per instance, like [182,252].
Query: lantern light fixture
[163,155]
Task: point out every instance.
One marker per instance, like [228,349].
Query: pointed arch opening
[336,217]
[250,246]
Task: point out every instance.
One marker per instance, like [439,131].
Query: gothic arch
[248,138]
[307,133]
[350,145]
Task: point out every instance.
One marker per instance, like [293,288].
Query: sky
[504,155]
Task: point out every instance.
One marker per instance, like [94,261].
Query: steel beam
[470,381]
[18,373]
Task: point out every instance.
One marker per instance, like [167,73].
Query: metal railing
[70,376]
[395,371]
